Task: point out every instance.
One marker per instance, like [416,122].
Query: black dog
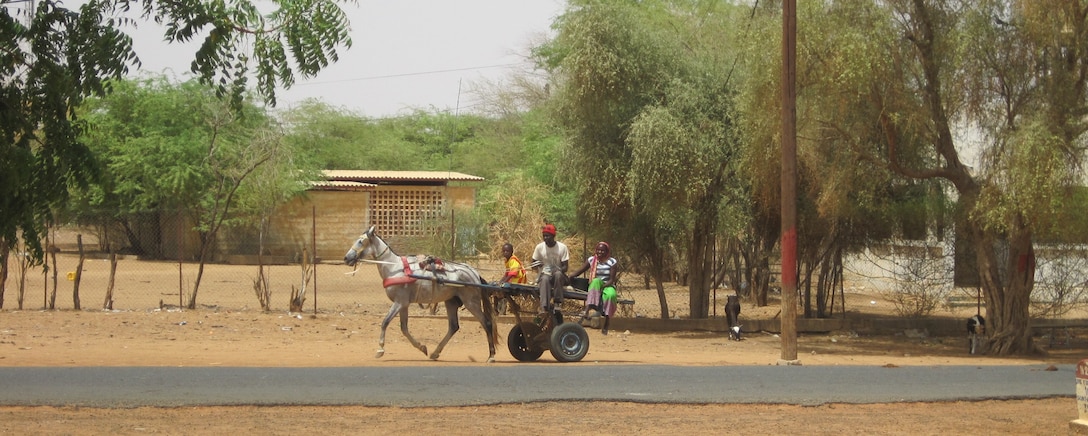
[732,315]
[976,326]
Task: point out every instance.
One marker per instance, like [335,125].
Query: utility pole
[789,184]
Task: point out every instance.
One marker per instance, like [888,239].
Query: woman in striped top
[604,273]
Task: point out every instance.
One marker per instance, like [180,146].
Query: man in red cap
[552,257]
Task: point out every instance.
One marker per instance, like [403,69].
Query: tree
[647,101]
[846,199]
[170,148]
[681,160]
[1002,79]
[147,138]
[47,68]
[239,146]
[338,139]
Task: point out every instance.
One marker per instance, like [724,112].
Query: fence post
[180,247]
[313,246]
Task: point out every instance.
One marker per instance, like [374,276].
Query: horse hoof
[434,357]
[380,353]
[490,360]
[423,348]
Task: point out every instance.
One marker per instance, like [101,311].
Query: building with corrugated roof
[401,204]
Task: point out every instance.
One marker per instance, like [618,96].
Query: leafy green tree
[846,198]
[169,148]
[493,147]
[541,147]
[681,158]
[54,57]
[646,100]
[338,139]
[929,82]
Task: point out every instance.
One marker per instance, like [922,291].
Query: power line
[421,73]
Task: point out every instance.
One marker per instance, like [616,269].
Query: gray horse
[403,290]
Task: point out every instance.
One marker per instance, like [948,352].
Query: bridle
[371,237]
[375,256]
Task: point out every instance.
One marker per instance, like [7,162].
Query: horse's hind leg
[451,314]
[484,315]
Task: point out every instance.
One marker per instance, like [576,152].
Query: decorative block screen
[410,212]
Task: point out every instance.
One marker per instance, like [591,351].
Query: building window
[407,212]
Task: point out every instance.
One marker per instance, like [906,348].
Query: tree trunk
[661,300]
[108,302]
[1007,275]
[205,248]
[764,245]
[52,257]
[735,262]
[807,265]
[657,268]
[699,268]
[79,274]
[4,256]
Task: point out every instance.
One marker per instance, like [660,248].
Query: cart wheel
[520,342]
[569,342]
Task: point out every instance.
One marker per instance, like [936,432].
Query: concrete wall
[341,216]
[461,197]
[863,326]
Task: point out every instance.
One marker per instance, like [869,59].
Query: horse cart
[528,339]
[418,280]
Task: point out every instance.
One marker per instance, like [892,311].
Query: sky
[405,54]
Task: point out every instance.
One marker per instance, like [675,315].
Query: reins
[386,250]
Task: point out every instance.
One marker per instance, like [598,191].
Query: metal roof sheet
[335,185]
[400,176]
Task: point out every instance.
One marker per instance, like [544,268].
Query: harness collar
[400,280]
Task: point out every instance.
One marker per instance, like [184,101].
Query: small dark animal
[732,315]
[976,325]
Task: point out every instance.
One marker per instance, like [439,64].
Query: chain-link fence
[228,281]
[138,283]
[163,273]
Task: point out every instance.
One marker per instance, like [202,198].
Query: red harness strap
[393,281]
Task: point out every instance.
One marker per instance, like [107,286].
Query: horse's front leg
[454,326]
[404,329]
[393,310]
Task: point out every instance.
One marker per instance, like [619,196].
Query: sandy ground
[247,337]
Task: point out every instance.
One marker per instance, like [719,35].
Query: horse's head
[359,249]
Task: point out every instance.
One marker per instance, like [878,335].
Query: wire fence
[142,282]
[168,279]
[155,268]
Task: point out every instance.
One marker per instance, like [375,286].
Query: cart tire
[569,342]
[520,342]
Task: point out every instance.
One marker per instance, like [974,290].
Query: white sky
[406,54]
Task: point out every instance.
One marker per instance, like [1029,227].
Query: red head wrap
[549,229]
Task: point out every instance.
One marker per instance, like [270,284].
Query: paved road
[483,384]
